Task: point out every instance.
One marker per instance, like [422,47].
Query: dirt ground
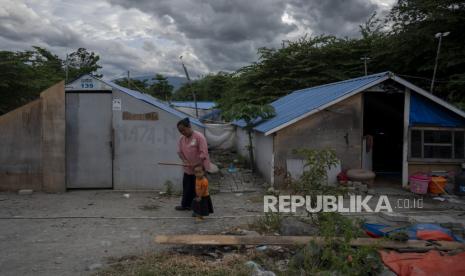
[78,232]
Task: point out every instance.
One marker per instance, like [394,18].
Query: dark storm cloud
[336,17]
[226,34]
[221,20]
[150,35]
[18,23]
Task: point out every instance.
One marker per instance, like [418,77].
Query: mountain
[176,82]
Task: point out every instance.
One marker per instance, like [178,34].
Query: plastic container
[419,183]
[437,185]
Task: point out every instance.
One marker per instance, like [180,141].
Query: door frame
[112,134]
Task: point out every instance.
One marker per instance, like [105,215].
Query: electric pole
[190,87]
[66,69]
[440,36]
[365,60]
[129,82]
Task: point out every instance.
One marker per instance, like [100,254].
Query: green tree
[161,88]
[23,75]
[83,62]
[251,114]
[209,88]
[134,84]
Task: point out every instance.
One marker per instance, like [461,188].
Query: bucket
[419,183]
[437,185]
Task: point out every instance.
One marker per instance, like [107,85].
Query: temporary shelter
[379,122]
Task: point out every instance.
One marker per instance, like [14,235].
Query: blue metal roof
[301,102]
[151,100]
[200,105]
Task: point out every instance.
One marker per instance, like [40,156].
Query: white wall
[263,150]
[140,145]
[242,141]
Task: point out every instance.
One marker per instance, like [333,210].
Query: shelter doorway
[89,139]
[383,122]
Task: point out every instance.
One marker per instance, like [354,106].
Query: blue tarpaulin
[423,111]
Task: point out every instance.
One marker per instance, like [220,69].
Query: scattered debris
[257,270]
[292,226]
[295,240]
[430,263]
[439,198]
[126,195]
[394,217]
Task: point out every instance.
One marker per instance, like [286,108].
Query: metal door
[88,140]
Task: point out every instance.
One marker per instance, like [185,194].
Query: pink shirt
[195,150]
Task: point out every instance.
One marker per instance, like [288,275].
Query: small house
[379,122]
[116,137]
[90,133]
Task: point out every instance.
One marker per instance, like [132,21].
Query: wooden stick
[173,164]
[301,240]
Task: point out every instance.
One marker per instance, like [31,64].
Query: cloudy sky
[148,36]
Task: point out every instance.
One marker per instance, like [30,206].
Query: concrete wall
[20,148]
[53,138]
[141,144]
[32,144]
[325,129]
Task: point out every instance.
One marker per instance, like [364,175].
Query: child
[202,203]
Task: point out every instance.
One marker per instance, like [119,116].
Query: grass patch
[172,263]
[269,223]
[336,257]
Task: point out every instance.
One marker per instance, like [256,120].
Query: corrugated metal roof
[151,100]
[200,105]
[301,102]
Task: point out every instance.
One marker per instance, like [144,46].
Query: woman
[193,150]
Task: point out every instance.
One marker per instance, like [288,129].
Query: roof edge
[428,95]
[348,95]
[121,88]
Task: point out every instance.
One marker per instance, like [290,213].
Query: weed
[269,223]
[169,188]
[177,264]
[314,176]
[336,256]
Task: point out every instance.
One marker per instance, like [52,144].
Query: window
[427,143]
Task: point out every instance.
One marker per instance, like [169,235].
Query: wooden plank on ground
[300,240]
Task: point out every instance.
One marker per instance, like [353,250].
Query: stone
[257,270]
[93,267]
[25,192]
[394,217]
[291,226]
[249,233]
